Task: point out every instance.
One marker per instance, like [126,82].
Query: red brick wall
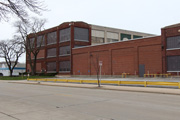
[123,61]
[151,57]
[79,60]
[41,54]
[99,56]
[120,57]
[38,67]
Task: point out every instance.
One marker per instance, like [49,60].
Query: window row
[80,34]
[64,66]
[64,50]
[51,52]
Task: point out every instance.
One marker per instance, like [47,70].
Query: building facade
[74,48]
[55,55]
[19,68]
[151,55]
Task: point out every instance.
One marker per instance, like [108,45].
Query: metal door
[141,70]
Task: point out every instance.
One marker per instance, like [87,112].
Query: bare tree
[20,8]
[96,66]
[31,39]
[11,50]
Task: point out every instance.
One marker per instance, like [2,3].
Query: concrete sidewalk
[106,87]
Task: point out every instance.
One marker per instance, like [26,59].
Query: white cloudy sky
[147,16]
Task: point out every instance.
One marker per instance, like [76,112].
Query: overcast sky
[147,16]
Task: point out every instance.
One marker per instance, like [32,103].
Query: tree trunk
[11,72]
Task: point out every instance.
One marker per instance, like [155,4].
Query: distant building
[4,70]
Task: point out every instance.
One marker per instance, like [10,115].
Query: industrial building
[19,68]
[74,48]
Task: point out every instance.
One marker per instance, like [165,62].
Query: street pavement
[62,101]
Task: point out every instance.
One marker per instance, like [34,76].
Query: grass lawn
[22,78]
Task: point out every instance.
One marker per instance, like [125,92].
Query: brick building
[76,47]
[55,55]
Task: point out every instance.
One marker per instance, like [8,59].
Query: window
[173,42]
[41,40]
[64,66]
[31,43]
[173,63]
[137,36]
[51,38]
[112,40]
[125,37]
[97,40]
[51,52]
[64,50]
[51,66]
[81,34]
[65,35]
[97,33]
[77,46]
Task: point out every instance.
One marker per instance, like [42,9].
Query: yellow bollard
[81,81]
[145,83]
[119,82]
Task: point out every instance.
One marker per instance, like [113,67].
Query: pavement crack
[82,104]
[9,116]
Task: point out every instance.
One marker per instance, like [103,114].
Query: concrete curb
[107,87]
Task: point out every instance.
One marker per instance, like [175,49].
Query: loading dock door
[141,70]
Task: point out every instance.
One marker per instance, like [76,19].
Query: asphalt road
[38,102]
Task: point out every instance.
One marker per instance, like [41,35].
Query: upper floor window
[41,40]
[51,52]
[125,37]
[173,42]
[31,43]
[112,40]
[81,34]
[65,35]
[52,38]
[137,36]
[97,40]
[64,50]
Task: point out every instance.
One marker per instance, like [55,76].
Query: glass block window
[64,66]
[41,40]
[81,34]
[65,35]
[173,42]
[64,50]
[173,63]
[51,38]
[137,36]
[125,37]
[113,35]
[51,52]
[97,40]
[112,40]
[51,66]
